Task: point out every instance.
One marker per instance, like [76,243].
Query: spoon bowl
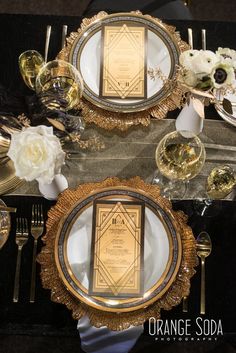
[204,248]
[204,245]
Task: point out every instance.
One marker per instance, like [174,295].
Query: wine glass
[59,85]
[219,184]
[180,156]
[30,63]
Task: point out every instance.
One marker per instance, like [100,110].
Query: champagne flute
[180,156]
[30,63]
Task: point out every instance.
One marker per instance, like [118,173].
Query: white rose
[36,153]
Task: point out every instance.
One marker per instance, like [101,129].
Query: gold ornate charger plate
[164,45]
[5,225]
[8,180]
[169,254]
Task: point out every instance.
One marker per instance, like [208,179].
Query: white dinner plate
[162,52]
[230,118]
[162,251]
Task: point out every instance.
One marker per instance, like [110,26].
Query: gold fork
[22,235]
[37,226]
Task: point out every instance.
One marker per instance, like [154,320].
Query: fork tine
[32,214]
[33,220]
[35,215]
[20,225]
[38,214]
[41,215]
[25,225]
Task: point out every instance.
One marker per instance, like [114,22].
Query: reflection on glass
[180,156]
[30,63]
[59,85]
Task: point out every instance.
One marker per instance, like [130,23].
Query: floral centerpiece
[203,78]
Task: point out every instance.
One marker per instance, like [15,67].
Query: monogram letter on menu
[116,268]
[123,62]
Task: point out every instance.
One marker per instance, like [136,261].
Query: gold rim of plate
[5,225]
[54,279]
[104,304]
[101,111]
[8,180]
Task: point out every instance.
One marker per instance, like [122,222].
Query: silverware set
[22,236]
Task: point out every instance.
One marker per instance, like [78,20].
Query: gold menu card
[117,251]
[123,62]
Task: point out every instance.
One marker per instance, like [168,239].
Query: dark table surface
[48,327]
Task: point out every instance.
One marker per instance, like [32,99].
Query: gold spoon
[204,247]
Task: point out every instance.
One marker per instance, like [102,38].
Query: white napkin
[103,340]
[189,120]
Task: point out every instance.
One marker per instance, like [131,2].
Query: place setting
[103,195]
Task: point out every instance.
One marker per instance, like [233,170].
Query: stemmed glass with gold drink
[59,85]
[219,184]
[30,63]
[180,156]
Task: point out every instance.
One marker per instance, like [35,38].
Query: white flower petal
[36,153]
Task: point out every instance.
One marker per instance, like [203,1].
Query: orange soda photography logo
[199,329]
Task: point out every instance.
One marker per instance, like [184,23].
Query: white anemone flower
[222,75]
[200,62]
